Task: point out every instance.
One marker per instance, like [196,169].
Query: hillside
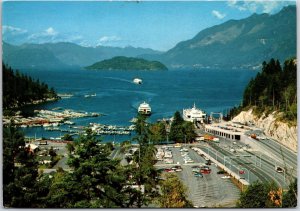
[234,44]
[270,102]
[63,55]
[127,63]
[274,89]
[19,89]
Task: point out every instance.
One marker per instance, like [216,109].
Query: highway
[258,164]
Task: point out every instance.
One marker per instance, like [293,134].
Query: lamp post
[258,160]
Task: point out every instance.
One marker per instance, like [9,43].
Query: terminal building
[232,132]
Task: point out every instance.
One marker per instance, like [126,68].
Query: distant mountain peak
[244,43]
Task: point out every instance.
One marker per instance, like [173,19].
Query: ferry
[194,114]
[144,109]
[137,81]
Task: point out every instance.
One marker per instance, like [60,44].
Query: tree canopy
[273,89]
[181,130]
[20,89]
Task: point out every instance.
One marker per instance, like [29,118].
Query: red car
[205,170]
[242,172]
[169,170]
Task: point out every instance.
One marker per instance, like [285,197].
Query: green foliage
[268,195]
[257,196]
[181,131]
[19,89]
[67,137]
[70,147]
[19,171]
[273,89]
[290,197]
[157,132]
[127,63]
[173,193]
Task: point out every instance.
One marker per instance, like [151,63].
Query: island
[127,63]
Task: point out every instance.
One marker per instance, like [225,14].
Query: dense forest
[20,89]
[127,63]
[95,180]
[273,89]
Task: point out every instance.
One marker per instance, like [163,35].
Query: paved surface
[258,164]
[209,191]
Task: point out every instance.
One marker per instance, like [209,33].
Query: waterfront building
[225,131]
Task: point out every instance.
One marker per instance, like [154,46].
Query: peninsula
[127,63]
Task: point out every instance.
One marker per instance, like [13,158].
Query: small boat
[92,95]
[144,109]
[137,81]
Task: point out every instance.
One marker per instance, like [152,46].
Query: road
[258,164]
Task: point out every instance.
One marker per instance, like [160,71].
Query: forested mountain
[19,89]
[63,55]
[273,89]
[127,63]
[241,43]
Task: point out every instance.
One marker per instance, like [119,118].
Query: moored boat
[194,114]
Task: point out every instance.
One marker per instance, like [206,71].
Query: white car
[232,150]
[225,177]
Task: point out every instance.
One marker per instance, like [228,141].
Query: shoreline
[34,102]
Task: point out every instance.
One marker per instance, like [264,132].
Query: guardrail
[234,175]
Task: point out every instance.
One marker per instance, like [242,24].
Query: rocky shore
[272,127]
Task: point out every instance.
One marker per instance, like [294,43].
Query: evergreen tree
[173,193]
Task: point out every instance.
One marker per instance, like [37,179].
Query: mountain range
[63,55]
[235,44]
[244,43]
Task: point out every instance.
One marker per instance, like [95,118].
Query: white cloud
[108,40]
[48,35]
[13,30]
[50,31]
[258,6]
[218,14]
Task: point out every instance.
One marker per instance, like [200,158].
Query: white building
[194,114]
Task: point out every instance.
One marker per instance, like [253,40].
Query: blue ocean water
[118,97]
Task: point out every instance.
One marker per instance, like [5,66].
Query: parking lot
[211,190]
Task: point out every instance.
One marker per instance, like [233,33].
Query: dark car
[198,174]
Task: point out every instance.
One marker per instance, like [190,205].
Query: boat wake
[119,79]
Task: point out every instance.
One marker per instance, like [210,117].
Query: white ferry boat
[194,114]
[137,81]
[144,108]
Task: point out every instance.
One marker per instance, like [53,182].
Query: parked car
[198,174]
[279,169]
[169,170]
[208,162]
[177,168]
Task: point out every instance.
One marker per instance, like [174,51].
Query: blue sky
[157,25]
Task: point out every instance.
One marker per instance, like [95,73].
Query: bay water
[118,98]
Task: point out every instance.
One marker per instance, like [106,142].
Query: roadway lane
[260,166]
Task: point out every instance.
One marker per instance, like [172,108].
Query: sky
[159,25]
